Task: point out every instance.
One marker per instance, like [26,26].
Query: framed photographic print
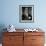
[26,13]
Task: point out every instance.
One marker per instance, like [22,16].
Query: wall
[10,13]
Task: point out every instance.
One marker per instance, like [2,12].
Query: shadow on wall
[2,26]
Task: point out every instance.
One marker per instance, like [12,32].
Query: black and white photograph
[26,13]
